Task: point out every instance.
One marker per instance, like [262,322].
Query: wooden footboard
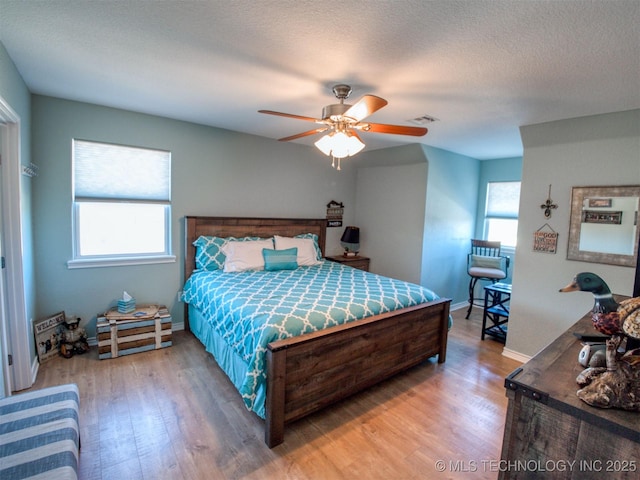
[307,373]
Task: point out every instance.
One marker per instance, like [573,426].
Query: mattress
[239,314]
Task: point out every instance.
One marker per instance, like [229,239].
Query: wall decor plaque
[47,336]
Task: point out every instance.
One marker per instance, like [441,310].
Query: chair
[484,263]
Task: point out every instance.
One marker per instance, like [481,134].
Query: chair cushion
[483,272]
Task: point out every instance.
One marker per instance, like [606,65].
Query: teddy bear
[73,339]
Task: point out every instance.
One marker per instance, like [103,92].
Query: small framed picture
[47,335]
[599,203]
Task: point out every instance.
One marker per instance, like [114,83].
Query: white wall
[390,205]
[416,207]
[600,150]
[214,172]
[452,192]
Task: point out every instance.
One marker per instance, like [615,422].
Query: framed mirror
[604,225]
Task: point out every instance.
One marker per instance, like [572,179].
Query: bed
[307,372]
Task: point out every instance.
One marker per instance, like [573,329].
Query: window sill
[119,262]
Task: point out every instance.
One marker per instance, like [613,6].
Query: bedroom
[236,179]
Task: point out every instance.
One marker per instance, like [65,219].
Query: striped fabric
[39,434]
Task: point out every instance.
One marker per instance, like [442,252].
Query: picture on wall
[594,216]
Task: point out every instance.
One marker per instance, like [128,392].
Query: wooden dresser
[550,433]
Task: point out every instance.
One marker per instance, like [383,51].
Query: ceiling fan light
[340,147]
[340,144]
[324,144]
[355,145]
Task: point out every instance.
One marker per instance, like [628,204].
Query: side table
[496,309]
[356,262]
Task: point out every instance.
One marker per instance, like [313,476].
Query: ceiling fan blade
[289,115]
[365,107]
[395,129]
[304,134]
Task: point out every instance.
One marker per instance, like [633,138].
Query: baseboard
[519,357]
[35,366]
[458,306]
[177,326]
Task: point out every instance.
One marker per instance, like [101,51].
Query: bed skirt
[230,363]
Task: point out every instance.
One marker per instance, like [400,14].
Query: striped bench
[39,434]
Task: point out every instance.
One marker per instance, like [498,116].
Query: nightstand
[356,262]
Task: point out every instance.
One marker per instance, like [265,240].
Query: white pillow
[243,256]
[305,246]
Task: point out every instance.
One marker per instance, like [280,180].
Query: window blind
[503,199]
[105,171]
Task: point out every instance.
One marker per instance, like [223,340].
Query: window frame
[115,259]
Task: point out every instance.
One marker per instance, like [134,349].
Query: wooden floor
[172,414]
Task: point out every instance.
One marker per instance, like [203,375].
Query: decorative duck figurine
[609,317]
[618,384]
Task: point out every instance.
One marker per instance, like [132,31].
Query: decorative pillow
[313,237]
[280,259]
[209,255]
[483,261]
[245,255]
[307,254]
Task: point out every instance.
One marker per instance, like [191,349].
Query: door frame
[17,342]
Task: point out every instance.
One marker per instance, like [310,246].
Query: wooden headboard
[246,227]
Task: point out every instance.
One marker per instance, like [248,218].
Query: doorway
[15,330]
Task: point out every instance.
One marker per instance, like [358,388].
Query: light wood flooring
[172,414]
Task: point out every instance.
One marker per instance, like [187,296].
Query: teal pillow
[280,259]
[209,254]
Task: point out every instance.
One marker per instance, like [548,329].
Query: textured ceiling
[482,68]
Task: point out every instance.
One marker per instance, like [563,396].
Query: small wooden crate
[147,328]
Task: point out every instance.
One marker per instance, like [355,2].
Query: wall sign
[335,211]
[47,336]
[545,241]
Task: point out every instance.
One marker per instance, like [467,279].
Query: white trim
[35,366]
[119,262]
[19,327]
[519,357]
[177,326]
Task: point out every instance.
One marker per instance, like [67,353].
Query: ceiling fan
[343,121]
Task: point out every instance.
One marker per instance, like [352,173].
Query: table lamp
[350,241]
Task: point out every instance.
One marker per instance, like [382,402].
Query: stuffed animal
[73,339]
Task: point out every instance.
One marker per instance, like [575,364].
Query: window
[501,217]
[121,205]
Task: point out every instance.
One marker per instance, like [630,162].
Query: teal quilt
[248,310]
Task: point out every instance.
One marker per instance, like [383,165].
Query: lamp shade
[350,240]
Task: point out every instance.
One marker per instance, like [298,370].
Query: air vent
[423,120]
